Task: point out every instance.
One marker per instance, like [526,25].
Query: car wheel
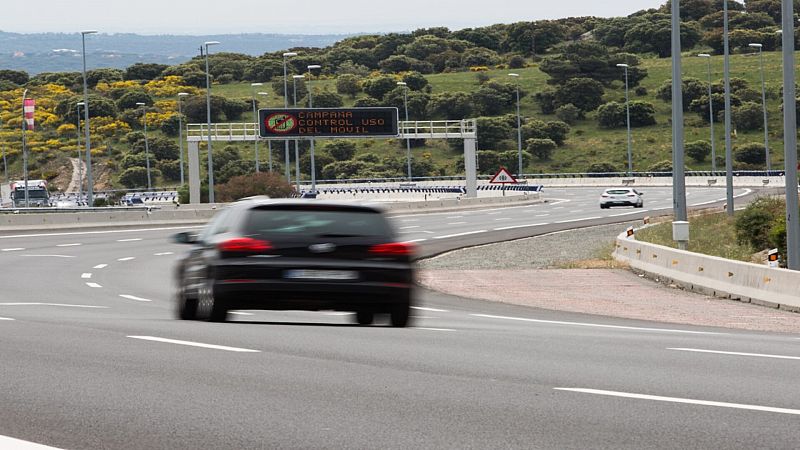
[209,305]
[187,307]
[365,317]
[603,206]
[640,205]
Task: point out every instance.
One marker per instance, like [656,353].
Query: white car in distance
[621,197]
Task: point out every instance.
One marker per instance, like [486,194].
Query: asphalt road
[93,358]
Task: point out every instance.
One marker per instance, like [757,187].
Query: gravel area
[547,251]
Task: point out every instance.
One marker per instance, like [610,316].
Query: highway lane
[470,374]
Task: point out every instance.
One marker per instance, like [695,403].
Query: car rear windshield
[318,221]
[618,191]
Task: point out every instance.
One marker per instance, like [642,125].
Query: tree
[748,116]
[99,106]
[163,148]
[492,131]
[590,59]
[194,108]
[417,103]
[378,87]
[235,168]
[698,150]
[415,81]
[691,90]
[654,36]
[327,99]
[133,160]
[569,114]
[144,71]
[264,183]
[494,97]
[130,99]
[95,76]
[134,177]
[321,160]
[348,84]
[340,150]
[171,124]
[451,105]
[585,93]
[611,115]
[602,167]
[225,155]
[367,102]
[397,64]
[171,170]
[18,77]
[751,153]
[541,148]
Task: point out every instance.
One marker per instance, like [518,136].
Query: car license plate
[307,274]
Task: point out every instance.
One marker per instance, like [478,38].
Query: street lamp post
[80,160]
[726,69]
[311,105]
[286,105]
[296,151]
[87,140]
[790,136]
[208,123]
[763,105]
[255,120]
[408,141]
[180,129]
[269,143]
[628,120]
[519,128]
[146,145]
[711,115]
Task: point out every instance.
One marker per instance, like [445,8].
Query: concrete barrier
[710,275]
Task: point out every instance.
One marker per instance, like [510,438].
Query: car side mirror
[185,237]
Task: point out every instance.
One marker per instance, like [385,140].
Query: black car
[296,255]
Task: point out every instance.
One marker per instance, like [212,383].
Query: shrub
[569,114]
[698,150]
[753,225]
[340,150]
[541,148]
[602,167]
[748,116]
[262,183]
[750,153]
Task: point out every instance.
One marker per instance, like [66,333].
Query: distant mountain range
[61,52]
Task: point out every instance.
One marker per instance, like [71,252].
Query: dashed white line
[417,240]
[682,400]
[129,240]
[578,220]
[595,325]
[422,308]
[12,249]
[128,258]
[93,285]
[457,223]
[577,211]
[54,304]
[237,313]
[503,218]
[49,256]
[454,217]
[520,226]
[195,344]
[408,227]
[86,275]
[19,444]
[163,253]
[69,245]
[134,298]
[6,318]
[459,234]
[628,213]
[100,266]
[541,215]
[433,329]
[81,233]
[757,355]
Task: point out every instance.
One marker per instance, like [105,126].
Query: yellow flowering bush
[169,87]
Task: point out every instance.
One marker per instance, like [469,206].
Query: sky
[288,16]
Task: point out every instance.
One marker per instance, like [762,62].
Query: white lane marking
[86,275]
[494,213]
[577,211]
[54,304]
[93,285]
[195,344]
[454,217]
[459,234]
[129,240]
[408,220]
[541,215]
[595,325]
[163,253]
[5,318]
[628,213]
[237,313]
[69,245]
[127,258]
[12,249]
[48,256]
[578,220]
[19,444]
[521,226]
[338,314]
[409,227]
[100,266]
[134,298]
[457,223]
[560,202]
[683,400]
[503,218]
[81,233]
[757,355]
[433,329]
[422,308]
[417,240]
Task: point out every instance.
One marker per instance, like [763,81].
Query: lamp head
[183,94]
[256,84]
[314,66]
[85,32]
[704,55]
[622,65]
[289,54]
[402,83]
[207,43]
[513,75]
[754,45]
[298,77]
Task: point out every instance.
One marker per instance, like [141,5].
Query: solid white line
[241,313]
[457,223]
[434,329]
[86,275]
[596,325]
[577,211]
[18,444]
[54,304]
[93,285]
[409,227]
[48,256]
[520,226]
[9,319]
[417,240]
[503,218]
[459,234]
[683,400]
[100,266]
[541,215]
[454,217]
[131,297]
[195,344]
[12,249]
[81,233]
[422,308]
[127,258]
[129,240]
[578,220]
[628,213]
[68,245]
[163,253]
[758,355]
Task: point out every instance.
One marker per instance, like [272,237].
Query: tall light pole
[146,145]
[208,123]
[180,129]
[680,227]
[711,115]
[404,85]
[80,160]
[255,120]
[519,128]
[311,105]
[763,104]
[25,150]
[269,143]
[628,120]
[790,137]
[286,105]
[87,140]
[296,151]
[726,70]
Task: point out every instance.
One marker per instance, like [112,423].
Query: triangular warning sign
[503,176]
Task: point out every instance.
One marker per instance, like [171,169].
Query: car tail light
[394,249]
[605,196]
[244,244]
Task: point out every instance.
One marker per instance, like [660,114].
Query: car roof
[250,202]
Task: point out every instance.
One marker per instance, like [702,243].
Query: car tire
[640,205]
[209,305]
[603,206]
[187,307]
[364,317]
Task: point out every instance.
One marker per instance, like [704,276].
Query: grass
[710,234]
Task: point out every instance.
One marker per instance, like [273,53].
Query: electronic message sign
[327,122]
